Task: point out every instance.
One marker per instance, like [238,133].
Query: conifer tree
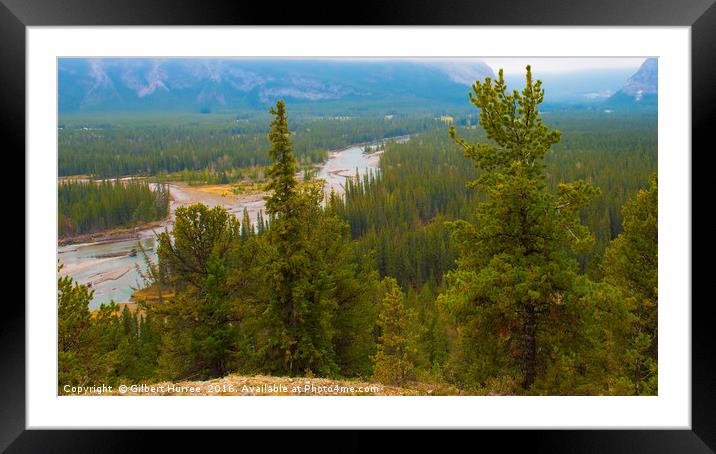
[130,325]
[247,228]
[100,346]
[73,324]
[631,264]
[515,271]
[106,336]
[354,288]
[283,168]
[260,223]
[198,232]
[202,321]
[298,317]
[393,362]
[214,335]
[310,284]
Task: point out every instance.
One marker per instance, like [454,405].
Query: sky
[553,65]
[562,64]
[516,65]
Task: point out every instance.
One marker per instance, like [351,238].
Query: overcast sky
[562,65]
[516,65]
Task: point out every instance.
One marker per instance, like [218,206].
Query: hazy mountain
[319,86]
[642,88]
[230,84]
[576,87]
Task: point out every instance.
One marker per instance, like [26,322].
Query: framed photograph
[423,217]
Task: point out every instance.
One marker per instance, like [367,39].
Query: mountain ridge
[642,88]
[320,86]
[204,84]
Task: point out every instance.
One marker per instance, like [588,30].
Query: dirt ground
[262,385]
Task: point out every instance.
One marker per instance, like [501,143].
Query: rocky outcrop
[640,88]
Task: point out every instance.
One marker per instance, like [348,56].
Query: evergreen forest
[506,252]
[88,206]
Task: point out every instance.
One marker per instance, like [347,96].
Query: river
[114,270]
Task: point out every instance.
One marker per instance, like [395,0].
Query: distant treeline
[400,212]
[86,207]
[113,151]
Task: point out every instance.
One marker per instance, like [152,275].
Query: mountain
[576,87]
[642,88]
[130,84]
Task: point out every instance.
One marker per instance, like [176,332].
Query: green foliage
[138,347]
[631,264]
[289,296]
[104,346]
[309,279]
[198,233]
[516,285]
[73,321]
[494,298]
[400,211]
[283,170]
[513,123]
[299,308]
[86,207]
[358,300]
[202,335]
[393,362]
[201,150]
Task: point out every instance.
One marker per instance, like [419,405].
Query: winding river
[114,270]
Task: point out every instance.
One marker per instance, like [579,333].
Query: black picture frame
[700,15]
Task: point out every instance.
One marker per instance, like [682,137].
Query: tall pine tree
[298,318]
[515,278]
[311,284]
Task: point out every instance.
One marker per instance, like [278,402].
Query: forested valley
[223,146]
[515,255]
[88,206]
[400,212]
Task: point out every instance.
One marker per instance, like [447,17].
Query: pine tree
[198,232]
[202,322]
[283,169]
[73,324]
[260,223]
[310,283]
[247,228]
[105,337]
[515,274]
[393,362]
[214,333]
[298,317]
[432,338]
[130,325]
[631,264]
[354,283]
